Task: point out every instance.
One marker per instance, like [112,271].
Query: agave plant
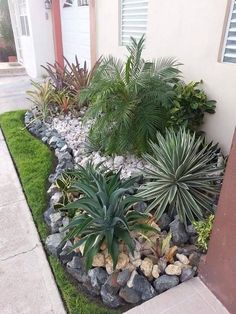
[104,215]
[42,96]
[129,99]
[184,176]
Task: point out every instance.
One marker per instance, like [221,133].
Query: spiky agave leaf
[184,175]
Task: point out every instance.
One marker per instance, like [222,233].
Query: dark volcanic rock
[179,235]
[129,295]
[143,287]
[164,222]
[123,277]
[187,273]
[165,282]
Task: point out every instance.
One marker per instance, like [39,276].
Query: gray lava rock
[111,300]
[55,198]
[54,244]
[165,282]
[187,273]
[191,230]
[129,295]
[123,277]
[77,269]
[187,250]
[111,285]
[66,255]
[164,222]
[97,277]
[194,259]
[56,221]
[47,215]
[179,234]
[143,287]
[140,207]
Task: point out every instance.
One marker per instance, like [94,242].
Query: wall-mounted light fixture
[48,4]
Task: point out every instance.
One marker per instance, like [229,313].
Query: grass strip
[34,162]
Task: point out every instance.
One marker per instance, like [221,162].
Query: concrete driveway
[13,93]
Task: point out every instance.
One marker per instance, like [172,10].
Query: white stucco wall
[76,33]
[41,38]
[191,31]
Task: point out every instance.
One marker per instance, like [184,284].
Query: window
[82,3]
[23,18]
[134,16]
[229,53]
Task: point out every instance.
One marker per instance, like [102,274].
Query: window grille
[229,53]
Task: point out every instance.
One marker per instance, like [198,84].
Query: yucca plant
[184,176]
[128,100]
[42,96]
[104,214]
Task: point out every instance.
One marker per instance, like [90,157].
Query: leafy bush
[128,100]
[189,106]
[104,215]
[184,176]
[203,229]
[42,96]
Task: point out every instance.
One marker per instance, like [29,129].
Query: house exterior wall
[38,47]
[191,31]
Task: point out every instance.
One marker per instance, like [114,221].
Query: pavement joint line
[18,254]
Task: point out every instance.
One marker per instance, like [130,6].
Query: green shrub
[129,99]
[189,106]
[184,176]
[104,215]
[203,229]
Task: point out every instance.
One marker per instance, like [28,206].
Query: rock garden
[136,184]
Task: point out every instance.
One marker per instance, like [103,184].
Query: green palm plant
[104,214]
[184,175]
[129,99]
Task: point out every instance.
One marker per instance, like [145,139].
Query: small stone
[155,271]
[54,244]
[99,260]
[162,263]
[187,273]
[182,258]
[142,286]
[123,277]
[179,235]
[130,267]
[109,269]
[194,259]
[165,282]
[164,222]
[137,262]
[178,263]
[136,255]
[123,261]
[118,161]
[173,270]
[129,295]
[146,267]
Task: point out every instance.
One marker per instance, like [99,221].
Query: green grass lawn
[34,162]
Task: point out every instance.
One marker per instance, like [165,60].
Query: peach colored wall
[191,31]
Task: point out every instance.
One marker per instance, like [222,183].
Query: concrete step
[11,69]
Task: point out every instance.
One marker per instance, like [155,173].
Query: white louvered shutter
[134,16]
[230,40]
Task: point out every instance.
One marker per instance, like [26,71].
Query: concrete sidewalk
[27,285]
[191,297]
[13,93]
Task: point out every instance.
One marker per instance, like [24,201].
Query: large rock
[164,222]
[54,244]
[143,287]
[194,259]
[129,295]
[111,300]
[187,273]
[187,249]
[165,282]
[77,269]
[111,285]
[97,277]
[123,277]
[67,253]
[179,235]
[56,221]
[47,215]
